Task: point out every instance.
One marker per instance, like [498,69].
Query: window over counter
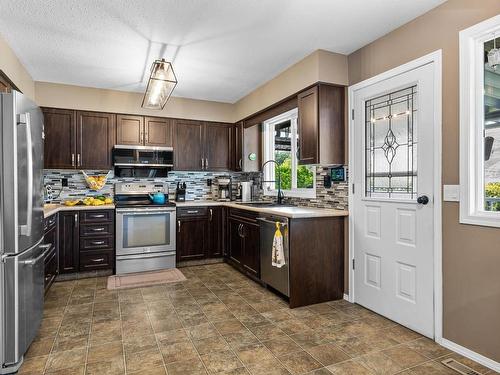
[280,144]
[480,124]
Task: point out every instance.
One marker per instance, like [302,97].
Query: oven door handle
[144,213]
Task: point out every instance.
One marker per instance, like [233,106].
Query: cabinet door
[95,139]
[129,130]
[251,248]
[215,232]
[68,242]
[217,146]
[235,243]
[157,132]
[252,139]
[237,151]
[308,124]
[60,138]
[188,150]
[191,238]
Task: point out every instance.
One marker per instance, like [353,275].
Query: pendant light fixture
[161,83]
[494,55]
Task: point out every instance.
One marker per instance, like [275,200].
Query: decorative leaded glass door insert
[391,145]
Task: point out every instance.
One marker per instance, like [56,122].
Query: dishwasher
[277,278]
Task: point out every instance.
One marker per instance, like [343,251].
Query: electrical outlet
[64,182]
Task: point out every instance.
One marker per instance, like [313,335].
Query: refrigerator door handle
[24,118]
[34,261]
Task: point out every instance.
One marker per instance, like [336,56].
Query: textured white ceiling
[221,49]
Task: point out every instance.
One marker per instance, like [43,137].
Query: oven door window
[146,230]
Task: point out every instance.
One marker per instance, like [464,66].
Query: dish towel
[278,253]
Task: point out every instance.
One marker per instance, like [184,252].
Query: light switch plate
[451,193]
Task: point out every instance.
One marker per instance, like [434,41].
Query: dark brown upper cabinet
[143,131]
[188,149]
[129,130]
[158,131]
[78,139]
[246,145]
[60,138]
[252,147]
[237,147]
[202,146]
[95,139]
[321,125]
[217,146]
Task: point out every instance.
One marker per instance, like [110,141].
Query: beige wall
[318,66]
[16,72]
[92,99]
[471,254]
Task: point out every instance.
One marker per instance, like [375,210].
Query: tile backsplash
[197,186]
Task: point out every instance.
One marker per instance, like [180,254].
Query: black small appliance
[180,192]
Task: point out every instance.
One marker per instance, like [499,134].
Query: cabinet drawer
[192,211]
[93,243]
[97,259]
[104,229]
[49,222]
[97,216]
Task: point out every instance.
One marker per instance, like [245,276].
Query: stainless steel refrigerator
[21,227]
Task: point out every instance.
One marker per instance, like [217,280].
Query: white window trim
[472,123]
[268,143]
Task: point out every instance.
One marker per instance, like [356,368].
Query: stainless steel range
[145,232]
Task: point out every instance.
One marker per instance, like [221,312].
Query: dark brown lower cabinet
[191,238]
[68,242]
[244,241]
[251,248]
[50,258]
[200,233]
[216,232]
[86,240]
[316,260]
[235,245]
[96,240]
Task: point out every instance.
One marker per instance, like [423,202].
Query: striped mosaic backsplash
[197,186]
[197,183]
[334,197]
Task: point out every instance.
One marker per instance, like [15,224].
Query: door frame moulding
[431,58]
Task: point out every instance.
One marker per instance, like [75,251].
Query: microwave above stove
[142,161]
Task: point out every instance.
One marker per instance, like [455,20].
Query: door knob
[423,199]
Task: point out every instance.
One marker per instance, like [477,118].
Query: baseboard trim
[479,358]
[346,297]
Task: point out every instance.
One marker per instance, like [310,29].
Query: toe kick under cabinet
[86,240]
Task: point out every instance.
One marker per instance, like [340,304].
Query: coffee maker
[225,188]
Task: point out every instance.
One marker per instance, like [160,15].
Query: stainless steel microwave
[142,161]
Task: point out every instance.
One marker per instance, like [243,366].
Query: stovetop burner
[136,194]
[138,201]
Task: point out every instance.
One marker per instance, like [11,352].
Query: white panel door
[393,177]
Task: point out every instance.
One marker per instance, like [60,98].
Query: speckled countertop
[293,212]
[51,209]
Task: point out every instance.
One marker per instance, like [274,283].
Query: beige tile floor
[219,322]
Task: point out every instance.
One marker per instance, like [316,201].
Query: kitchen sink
[265,204]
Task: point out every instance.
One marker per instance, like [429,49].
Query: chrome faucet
[281,196]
